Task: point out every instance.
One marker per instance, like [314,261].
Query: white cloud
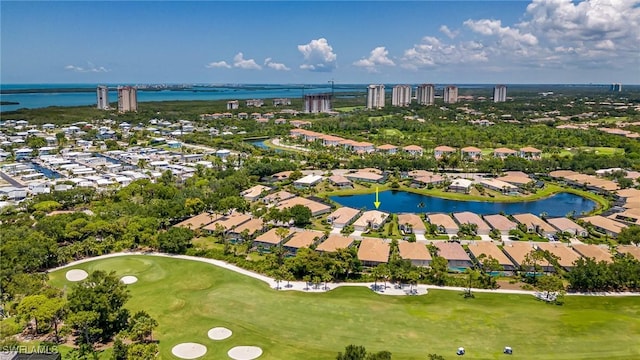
[89,68]
[318,56]
[248,64]
[275,66]
[431,52]
[378,57]
[448,32]
[509,37]
[218,64]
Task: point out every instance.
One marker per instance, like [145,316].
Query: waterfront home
[467,217]
[499,185]
[304,238]
[316,208]
[595,252]
[568,226]
[413,150]
[340,181]
[387,149]
[455,255]
[503,153]
[566,256]
[629,249]
[373,219]
[198,221]
[365,176]
[417,253]
[534,224]
[500,223]
[23,153]
[604,225]
[518,251]
[428,180]
[471,153]
[631,198]
[342,217]
[335,242]
[253,193]
[373,252]
[411,224]
[530,153]
[308,181]
[444,222]
[588,181]
[490,249]
[516,178]
[442,151]
[271,238]
[461,185]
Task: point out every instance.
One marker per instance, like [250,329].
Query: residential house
[518,251]
[366,176]
[490,249]
[461,185]
[254,193]
[629,249]
[503,153]
[308,181]
[277,197]
[595,252]
[604,225]
[373,252]
[499,185]
[455,255]
[415,252]
[387,149]
[271,238]
[251,227]
[534,224]
[227,223]
[413,150]
[444,222]
[443,151]
[340,181]
[373,219]
[530,153]
[335,242]
[568,226]
[411,224]
[317,208]
[304,238]
[342,217]
[566,256]
[467,217]
[198,221]
[500,223]
[471,153]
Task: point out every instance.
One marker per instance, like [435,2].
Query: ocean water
[50,94]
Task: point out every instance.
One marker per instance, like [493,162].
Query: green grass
[188,298]
[392,132]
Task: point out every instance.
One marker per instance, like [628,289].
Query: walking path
[277,142]
[379,287]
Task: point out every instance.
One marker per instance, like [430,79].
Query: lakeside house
[372,219]
[366,176]
[340,181]
[534,224]
[567,226]
[461,185]
[499,186]
[373,252]
[417,253]
[501,223]
[411,224]
[444,222]
[467,217]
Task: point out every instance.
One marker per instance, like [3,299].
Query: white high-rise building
[450,94]
[102,93]
[425,94]
[401,95]
[127,99]
[317,103]
[375,96]
[616,87]
[500,93]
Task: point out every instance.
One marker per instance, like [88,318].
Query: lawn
[188,298]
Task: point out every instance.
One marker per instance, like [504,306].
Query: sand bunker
[189,350]
[219,333]
[76,275]
[129,279]
[245,352]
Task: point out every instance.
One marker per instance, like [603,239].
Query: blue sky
[541,41]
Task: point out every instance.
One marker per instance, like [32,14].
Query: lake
[557,205]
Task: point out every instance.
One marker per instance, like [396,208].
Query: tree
[629,235]
[176,240]
[300,214]
[119,350]
[142,351]
[141,327]
[353,352]
[550,284]
[435,357]
[30,308]
[96,307]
